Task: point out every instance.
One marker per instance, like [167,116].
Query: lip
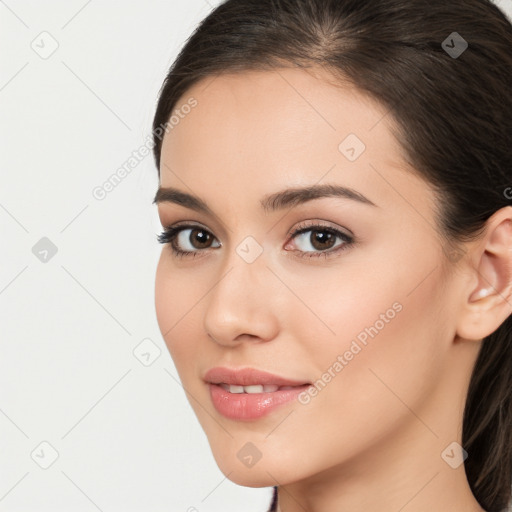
[249,406]
[247,376]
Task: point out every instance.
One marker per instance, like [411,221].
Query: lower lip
[251,406]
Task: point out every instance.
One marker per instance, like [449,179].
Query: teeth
[255,388]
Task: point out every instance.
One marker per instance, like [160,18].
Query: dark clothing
[273,505]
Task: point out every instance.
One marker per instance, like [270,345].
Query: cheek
[174,303]
[165,298]
[380,312]
[387,347]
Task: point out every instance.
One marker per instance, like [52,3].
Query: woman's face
[369,312]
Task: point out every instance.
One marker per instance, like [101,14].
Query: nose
[241,306]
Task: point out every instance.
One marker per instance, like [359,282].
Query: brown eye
[322,240]
[319,238]
[313,241]
[187,240]
[200,237]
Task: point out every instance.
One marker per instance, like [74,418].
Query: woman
[335,284]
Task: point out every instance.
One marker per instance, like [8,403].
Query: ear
[488,299]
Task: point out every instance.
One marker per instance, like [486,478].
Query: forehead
[282,104]
[272,129]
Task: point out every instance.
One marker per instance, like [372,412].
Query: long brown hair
[453,106]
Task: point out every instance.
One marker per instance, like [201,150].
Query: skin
[372,438]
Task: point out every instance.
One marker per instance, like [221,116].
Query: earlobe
[489,303]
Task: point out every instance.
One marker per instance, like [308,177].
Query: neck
[402,482]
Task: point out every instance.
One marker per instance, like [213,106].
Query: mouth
[249,394]
[252,402]
[249,380]
[256,388]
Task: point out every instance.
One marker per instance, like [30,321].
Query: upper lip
[247,376]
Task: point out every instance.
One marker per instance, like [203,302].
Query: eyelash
[170,233]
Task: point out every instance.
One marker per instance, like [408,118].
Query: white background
[126,437]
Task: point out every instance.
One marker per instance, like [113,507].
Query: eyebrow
[271,202]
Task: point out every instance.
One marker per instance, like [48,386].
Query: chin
[248,479]
[266,472]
